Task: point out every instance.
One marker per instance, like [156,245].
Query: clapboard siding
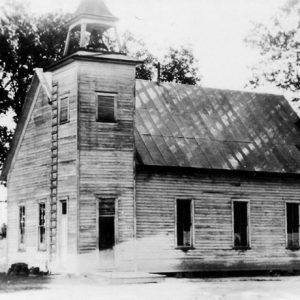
[106,151]
[28,183]
[67,186]
[213,194]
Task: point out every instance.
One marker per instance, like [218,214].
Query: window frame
[42,246]
[116,202]
[248,246]
[109,94]
[68,109]
[192,235]
[21,246]
[286,223]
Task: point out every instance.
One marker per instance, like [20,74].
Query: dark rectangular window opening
[184,223]
[64,207]
[42,226]
[22,226]
[241,234]
[292,218]
[64,110]
[106,108]
[106,224]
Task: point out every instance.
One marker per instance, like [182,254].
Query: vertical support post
[67,43]
[118,39]
[82,36]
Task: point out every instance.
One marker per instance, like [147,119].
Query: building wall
[156,191]
[28,183]
[67,186]
[106,157]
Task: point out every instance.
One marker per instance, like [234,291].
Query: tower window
[241,228]
[292,220]
[42,227]
[106,108]
[64,110]
[184,223]
[22,227]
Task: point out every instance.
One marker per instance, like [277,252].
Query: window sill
[241,248]
[64,122]
[185,248]
[42,250]
[293,248]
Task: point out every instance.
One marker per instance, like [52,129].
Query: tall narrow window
[106,108]
[64,110]
[106,223]
[241,229]
[184,223]
[42,227]
[22,227]
[292,216]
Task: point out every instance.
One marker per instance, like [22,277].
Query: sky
[214,29]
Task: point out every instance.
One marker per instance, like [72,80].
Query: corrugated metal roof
[190,126]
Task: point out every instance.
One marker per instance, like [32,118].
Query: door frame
[59,212]
[98,199]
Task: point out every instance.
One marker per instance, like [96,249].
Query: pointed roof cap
[95,9]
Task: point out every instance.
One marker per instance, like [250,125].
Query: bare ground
[91,287]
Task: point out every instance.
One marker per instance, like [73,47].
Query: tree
[278,44]
[179,65]
[28,42]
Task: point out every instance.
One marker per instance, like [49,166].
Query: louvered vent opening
[106,109]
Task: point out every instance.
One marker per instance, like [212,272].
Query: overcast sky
[215,29]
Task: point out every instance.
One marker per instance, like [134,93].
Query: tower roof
[94,9]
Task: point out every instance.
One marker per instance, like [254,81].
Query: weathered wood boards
[213,194]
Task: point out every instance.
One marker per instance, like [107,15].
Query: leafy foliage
[28,42]
[278,44]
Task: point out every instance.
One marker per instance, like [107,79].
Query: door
[107,232]
[63,230]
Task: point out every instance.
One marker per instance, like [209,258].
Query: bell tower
[92,27]
[92,178]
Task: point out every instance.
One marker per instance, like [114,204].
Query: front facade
[107,172]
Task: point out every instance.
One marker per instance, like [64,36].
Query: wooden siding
[106,151]
[156,192]
[28,183]
[67,186]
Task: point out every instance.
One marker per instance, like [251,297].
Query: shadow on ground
[9,284]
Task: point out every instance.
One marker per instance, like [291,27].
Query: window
[64,207]
[21,227]
[241,228]
[106,108]
[64,110]
[42,227]
[184,223]
[107,228]
[292,218]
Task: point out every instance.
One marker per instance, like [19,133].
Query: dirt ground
[2,254]
[91,287]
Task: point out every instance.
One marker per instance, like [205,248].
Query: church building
[107,172]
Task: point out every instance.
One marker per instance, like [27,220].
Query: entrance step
[129,277]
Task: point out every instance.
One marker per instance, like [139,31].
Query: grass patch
[21,283]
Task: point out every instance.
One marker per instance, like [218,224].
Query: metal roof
[95,8]
[190,126]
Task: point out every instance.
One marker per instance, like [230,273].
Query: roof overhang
[83,55]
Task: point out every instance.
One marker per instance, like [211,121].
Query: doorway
[63,230]
[107,232]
